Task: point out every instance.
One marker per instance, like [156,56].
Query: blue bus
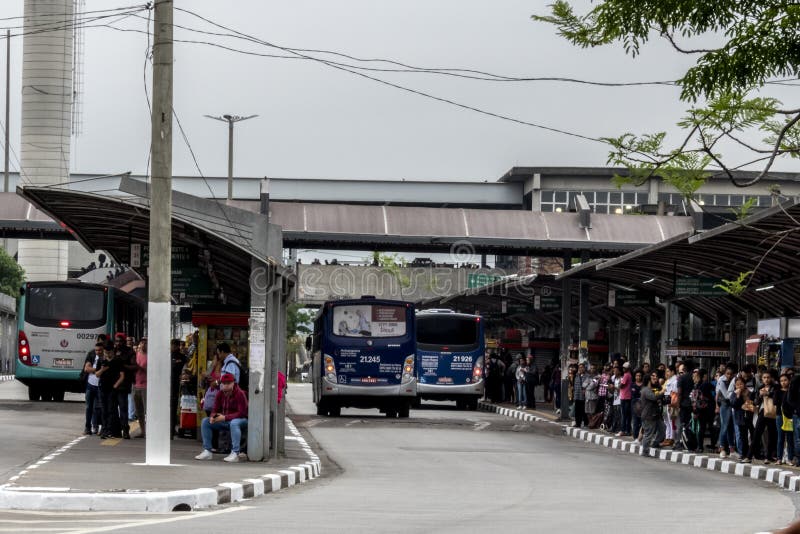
[363,356]
[58,324]
[450,351]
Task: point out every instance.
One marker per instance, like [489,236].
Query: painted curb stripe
[789,480]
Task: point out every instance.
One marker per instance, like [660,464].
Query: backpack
[699,401]
[244,376]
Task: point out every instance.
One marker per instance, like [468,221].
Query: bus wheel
[321,410]
[417,402]
[335,411]
[472,405]
[461,405]
[403,410]
[391,413]
[57,395]
[34,393]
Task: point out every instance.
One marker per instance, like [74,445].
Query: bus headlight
[330,369]
[408,369]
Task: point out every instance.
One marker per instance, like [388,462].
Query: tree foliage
[391,263]
[12,276]
[297,320]
[754,43]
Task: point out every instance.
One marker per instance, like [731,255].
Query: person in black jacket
[785,437]
[531,381]
[128,357]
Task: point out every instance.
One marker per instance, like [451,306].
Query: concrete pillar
[47,52]
[583,328]
[566,332]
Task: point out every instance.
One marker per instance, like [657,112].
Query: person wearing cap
[625,384]
[229,413]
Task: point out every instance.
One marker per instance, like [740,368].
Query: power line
[408,89]
[473,74]
[140,6]
[211,192]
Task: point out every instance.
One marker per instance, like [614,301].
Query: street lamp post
[230,119]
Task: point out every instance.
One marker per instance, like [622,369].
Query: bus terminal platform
[91,474]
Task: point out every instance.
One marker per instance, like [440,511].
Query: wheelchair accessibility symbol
[35,359]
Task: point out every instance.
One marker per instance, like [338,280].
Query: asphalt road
[28,429]
[449,471]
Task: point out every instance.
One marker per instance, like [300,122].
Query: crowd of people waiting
[115,373]
[747,414]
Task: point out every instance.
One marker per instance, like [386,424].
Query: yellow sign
[584,344]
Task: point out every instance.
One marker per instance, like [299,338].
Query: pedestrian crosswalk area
[4,378]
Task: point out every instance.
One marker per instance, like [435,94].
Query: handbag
[769,409]
[787,425]
[209,398]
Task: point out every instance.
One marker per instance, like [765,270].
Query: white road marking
[481,426]
[170,519]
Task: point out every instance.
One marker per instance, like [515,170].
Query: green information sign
[696,286]
[490,315]
[481,279]
[619,299]
[190,281]
[513,308]
[547,303]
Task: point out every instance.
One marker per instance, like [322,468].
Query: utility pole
[8,104]
[159,279]
[230,119]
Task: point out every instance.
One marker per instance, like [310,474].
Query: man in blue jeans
[229,413]
[727,442]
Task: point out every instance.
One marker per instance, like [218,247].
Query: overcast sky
[315,121]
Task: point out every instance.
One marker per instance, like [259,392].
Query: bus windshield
[49,305]
[369,320]
[447,330]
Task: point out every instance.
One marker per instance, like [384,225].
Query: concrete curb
[788,480]
[21,498]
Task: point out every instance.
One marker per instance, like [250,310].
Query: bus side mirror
[308,342]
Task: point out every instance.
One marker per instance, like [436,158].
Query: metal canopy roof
[307,225]
[522,289]
[767,243]
[359,226]
[19,219]
[113,224]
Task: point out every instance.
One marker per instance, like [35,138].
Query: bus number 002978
[369,359]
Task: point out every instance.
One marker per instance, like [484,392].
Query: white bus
[58,324]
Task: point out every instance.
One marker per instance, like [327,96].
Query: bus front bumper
[333,389]
[449,391]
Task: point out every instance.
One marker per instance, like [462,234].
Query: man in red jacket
[229,413]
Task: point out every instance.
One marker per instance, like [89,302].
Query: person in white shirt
[670,412]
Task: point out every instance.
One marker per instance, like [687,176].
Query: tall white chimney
[46,119]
